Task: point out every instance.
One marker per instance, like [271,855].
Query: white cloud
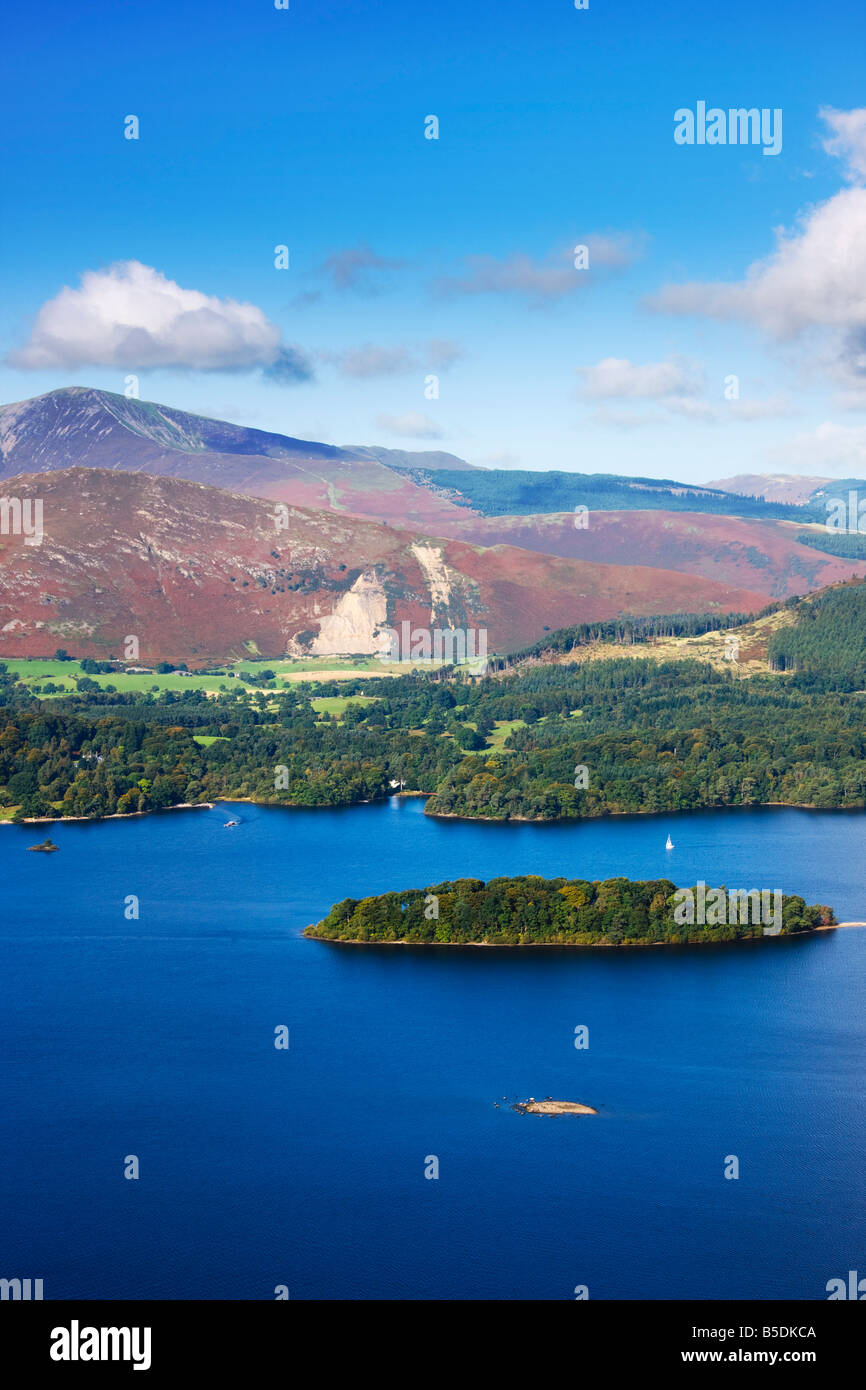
[539,280]
[442,353]
[673,386]
[413,424]
[371,359]
[813,285]
[847,140]
[830,449]
[131,316]
[772,408]
[816,277]
[855,399]
[356,268]
[692,409]
[616,378]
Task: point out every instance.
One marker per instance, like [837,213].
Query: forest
[628,630]
[524,492]
[848,546]
[827,643]
[538,742]
[663,737]
[534,911]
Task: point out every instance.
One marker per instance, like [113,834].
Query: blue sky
[261,127]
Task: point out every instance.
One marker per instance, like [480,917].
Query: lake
[262,1167]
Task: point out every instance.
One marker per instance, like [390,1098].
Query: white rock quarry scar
[354,623]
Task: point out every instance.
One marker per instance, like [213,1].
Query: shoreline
[438,815]
[570,945]
[115,815]
[207,806]
[611,815]
[552,1107]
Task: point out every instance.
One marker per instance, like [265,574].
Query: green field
[66,673]
[500,734]
[335,705]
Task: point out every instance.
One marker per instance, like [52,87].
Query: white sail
[670,843]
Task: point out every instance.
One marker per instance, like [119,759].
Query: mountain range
[78,426]
[211,541]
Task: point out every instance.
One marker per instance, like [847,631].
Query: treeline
[848,546]
[54,763]
[672,736]
[827,639]
[629,631]
[628,735]
[530,910]
[616,736]
[515,492]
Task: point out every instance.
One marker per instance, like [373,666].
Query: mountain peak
[83,426]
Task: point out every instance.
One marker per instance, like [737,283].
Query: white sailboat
[670,843]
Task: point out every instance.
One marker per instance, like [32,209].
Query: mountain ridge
[193,569]
[84,426]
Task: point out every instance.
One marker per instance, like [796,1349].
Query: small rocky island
[552,1107]
[47,847]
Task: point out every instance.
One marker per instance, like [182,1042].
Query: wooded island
[534,911]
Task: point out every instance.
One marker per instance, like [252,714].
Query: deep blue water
[306,1168]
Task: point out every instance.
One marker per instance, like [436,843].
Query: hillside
[650,546]
[521,492]
[204,574]
[430,460]
[820,638]
[814,495]
[826,639]
[752,651]
[81,427]
[773,487]
[760,555]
